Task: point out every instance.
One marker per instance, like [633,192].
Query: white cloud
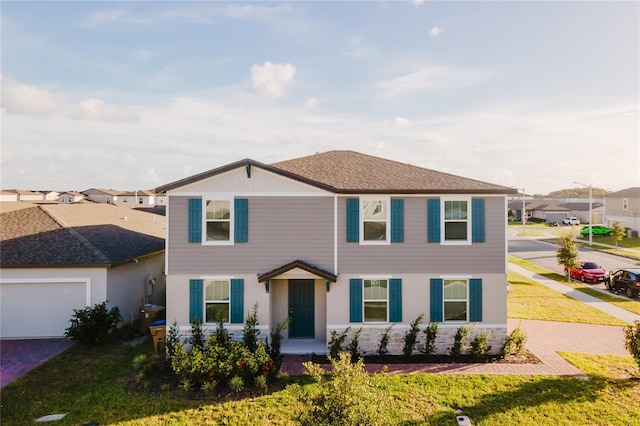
[97,110]
[271,80]
[435,31]
[417,2]
[400,122]
[63,156]
[434,77]
[23,99]
[357,48]
[311,103]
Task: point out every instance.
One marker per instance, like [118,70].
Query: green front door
[301,309]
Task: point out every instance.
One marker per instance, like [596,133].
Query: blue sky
[132,95]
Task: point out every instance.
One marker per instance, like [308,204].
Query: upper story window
[216,299]
[375,300]
[375,220]
[218,220]
[455,299]
[456,220]
[625,204]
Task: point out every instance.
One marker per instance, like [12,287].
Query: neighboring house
[57,258]
[50,195]
[624,207]
[8,196]
[140,197]
[27,195]
[335,240]
[70,197]
[102,195]
[553,210]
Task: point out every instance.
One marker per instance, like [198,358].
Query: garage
[40,308]
[555,217]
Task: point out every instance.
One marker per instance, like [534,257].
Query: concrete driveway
[18,357]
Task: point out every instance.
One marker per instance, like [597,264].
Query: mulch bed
[524,357]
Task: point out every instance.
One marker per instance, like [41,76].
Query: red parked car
[588,272]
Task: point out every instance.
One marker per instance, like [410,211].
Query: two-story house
[624,206]
[335,240]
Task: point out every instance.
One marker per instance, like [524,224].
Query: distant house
[70,197]
[142,198]
[27,195]
[50,195]
[102,195]
[8,196]
[337,240]
[624,207]
[57,258]
[552,210]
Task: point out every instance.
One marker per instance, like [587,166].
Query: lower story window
[375,300]
[455,300]
[216,295]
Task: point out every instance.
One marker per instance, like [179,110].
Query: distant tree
[617,232]
[579,192]
[567,254]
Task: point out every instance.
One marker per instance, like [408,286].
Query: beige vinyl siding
[281,230]
[416,255]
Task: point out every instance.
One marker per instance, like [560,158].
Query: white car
[571,220]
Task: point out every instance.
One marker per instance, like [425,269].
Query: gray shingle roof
[353,172]
[77,235]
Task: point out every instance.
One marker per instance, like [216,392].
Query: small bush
[430,334]
[172,339]
[513,343]
[348,397]
[632,340]
[479,346]
[411,336]
[336,342]
[275,338]
[458,341]
[197,336]
[236,384]
[384,341]
[354,346]
[250,331]
[93,325]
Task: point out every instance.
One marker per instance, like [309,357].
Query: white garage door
[39,309]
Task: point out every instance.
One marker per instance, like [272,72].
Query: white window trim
[387,240]
[204,297]
[388,280]
[231,240]
[443,240]
[451,278]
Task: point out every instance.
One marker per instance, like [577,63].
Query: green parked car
[596,230]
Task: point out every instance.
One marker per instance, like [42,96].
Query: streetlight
[590,207]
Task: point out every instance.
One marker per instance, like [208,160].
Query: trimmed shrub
[479,346]
[275,338]
[430,334]
[384,341]
[336,342]
[458,341]
[411,336]
[513,343]
[632,340]
[93,325]
[250,331]
[354,346]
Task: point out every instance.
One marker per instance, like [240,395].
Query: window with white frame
[216,300]
[218,220]
[625,204]
[456,220]
[375,220]
[375,298]
[456,299]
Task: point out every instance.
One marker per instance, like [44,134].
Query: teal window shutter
[475,299]
[355,300]
[397,220]
[196,294]
[241,212]
[195,220]
[353,220]
[395,300]
[436,299]
[237,301]
[477,220]
[433,220]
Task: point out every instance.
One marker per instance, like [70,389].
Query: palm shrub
[384,341]
[632,340]
[458,341]
[430,334]
[347,395]
[92,325]
[411,336]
